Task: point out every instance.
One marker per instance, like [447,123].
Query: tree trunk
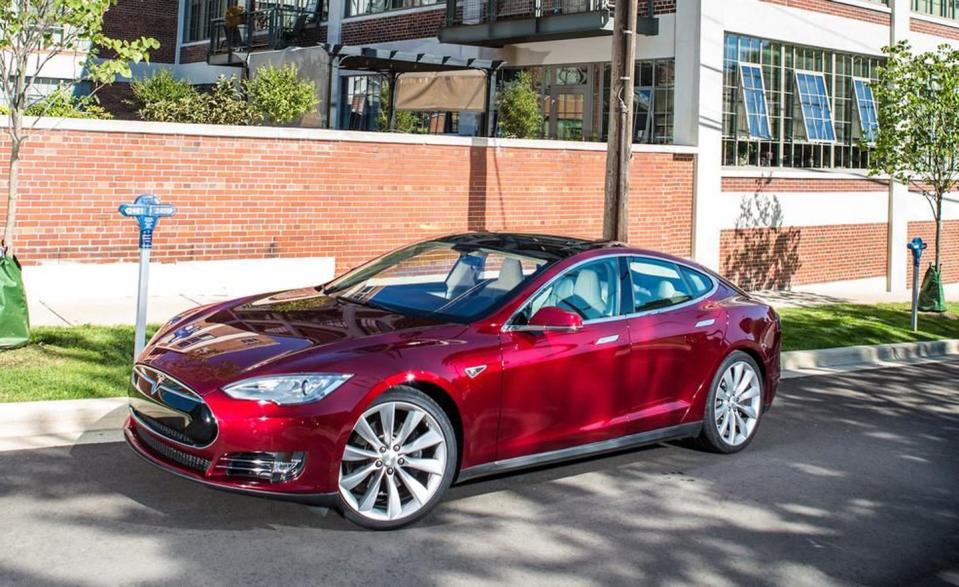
[13,179]
[619,150]
[939,198]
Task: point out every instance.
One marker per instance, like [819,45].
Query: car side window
[591,290]
[700,283]
[657,284]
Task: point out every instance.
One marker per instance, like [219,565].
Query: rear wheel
[734,405]
[398,462]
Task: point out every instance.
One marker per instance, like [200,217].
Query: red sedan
[448,360]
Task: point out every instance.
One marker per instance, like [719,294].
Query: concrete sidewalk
[106,294]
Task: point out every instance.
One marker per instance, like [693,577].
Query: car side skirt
[585,450]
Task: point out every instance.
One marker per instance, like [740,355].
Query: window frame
[832,117]
[762,88]
[627,296]
[867,83]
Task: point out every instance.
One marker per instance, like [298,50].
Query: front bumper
[190,465]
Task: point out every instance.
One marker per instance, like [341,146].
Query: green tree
[519,110]
[917,103]
[279,95]
[32,33]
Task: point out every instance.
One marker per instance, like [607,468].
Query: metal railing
[482,11]
[270,28]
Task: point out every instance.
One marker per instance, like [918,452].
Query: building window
[754,101]
[575,100]
[940,8]
[866,106]
[812,107]
[359,7]
[198,15]
[815,108]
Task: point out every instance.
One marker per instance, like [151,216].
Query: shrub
[162,86]
[61,103]
[223,104]
[279,96]
[520,116]
[4,110]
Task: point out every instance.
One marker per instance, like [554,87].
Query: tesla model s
[448,360]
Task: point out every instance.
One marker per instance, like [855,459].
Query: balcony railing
[480,11]
[275,27]
[498,22]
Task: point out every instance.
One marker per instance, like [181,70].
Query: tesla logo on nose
[474,371]
[156,385]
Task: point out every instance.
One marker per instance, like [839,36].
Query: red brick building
[760,193]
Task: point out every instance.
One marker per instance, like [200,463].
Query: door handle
[607,339]
[705,323]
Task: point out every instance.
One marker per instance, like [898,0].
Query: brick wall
[194,53]
[398,27]
[917,25]
[261,198]
[132,19]
[766,258]
[761,185]
[838,9]
[950,249]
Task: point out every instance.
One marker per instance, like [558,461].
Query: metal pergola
[395,63]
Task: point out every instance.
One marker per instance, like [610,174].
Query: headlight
[286,390]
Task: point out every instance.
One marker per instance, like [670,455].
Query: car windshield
[438,279]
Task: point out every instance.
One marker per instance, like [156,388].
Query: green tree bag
[932,296]
[14,316]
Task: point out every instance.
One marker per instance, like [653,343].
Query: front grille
[161,429]
[171,409]
[169,453]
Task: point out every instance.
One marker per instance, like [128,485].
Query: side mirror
[555,319]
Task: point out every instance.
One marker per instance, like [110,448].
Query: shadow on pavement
[851,479]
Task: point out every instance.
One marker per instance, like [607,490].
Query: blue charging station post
[148,211]
[916,247]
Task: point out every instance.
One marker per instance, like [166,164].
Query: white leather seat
[665,290]
[589,290]
[510,275]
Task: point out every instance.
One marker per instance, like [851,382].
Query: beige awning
[453,91]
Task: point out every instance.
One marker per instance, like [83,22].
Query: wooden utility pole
[619,152]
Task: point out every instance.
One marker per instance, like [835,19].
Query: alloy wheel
[737,403]
[394,461]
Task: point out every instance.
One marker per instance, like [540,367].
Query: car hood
[251,336]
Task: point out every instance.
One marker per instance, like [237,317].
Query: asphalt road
[852,479]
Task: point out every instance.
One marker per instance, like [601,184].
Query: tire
[733,435]
[381,488]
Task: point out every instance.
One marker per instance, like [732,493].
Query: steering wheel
[572,303]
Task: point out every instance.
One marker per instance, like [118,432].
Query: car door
[675,331]
[561,389]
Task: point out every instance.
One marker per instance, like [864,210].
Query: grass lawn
[69,362]
[837,325]
[74,362]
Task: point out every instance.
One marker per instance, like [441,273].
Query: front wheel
[398,461]
[734,405]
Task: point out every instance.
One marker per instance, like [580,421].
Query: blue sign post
[916,246]
[148,211]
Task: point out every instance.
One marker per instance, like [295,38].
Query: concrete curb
[60,423]
[48,424]
[860,358]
